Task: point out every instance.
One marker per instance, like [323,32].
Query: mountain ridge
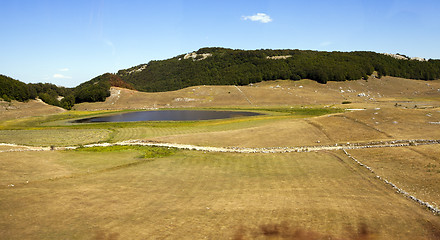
[225,66]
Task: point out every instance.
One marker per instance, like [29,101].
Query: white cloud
[259,17]
[57,75]
[63,69]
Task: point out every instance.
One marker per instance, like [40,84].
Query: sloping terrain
[222,66]
[14,109]
[404,92]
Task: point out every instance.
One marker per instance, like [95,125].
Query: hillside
[15,110]
[221,66]
[360,93]
[94,90]
[11,89]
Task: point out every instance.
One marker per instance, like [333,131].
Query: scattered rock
[184,99]
[197,57]
[278,57]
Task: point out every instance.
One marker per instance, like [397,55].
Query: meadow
[83,194]
[139,192]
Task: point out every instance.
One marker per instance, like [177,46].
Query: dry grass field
[15,110]
[143,193]
[54,137]
[374,124]
[194,195]
[281,93]
[282,133]
[416,169]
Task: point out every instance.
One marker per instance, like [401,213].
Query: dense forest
[11,89]
[222,66]
[94,90]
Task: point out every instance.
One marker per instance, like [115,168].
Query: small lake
[167,115]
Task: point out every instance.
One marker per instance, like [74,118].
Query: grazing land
[140,192]
[85,195]
[14,110]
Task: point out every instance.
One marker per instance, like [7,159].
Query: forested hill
[221,66]
[11,89]
[94,90]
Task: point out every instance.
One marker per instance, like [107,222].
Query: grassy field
[415,169]
[124,192]
[57,130]
[16,110]
[374,124]
[281,93]
[54,137]
[92,195]
[282,133]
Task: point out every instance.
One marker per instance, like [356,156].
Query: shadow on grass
[285,231]
[102,235]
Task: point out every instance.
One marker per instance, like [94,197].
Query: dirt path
[366,125]
[244,95]
[10,147]
[319,127]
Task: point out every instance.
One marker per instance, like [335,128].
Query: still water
[167,115]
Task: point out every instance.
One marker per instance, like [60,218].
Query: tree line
[242,67]
[97,89]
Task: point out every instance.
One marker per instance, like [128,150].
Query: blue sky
[70,42]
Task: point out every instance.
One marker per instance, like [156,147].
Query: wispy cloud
[63,69]
[57,75]
[111,45]
[324,44]
[108,42]
[259,17]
